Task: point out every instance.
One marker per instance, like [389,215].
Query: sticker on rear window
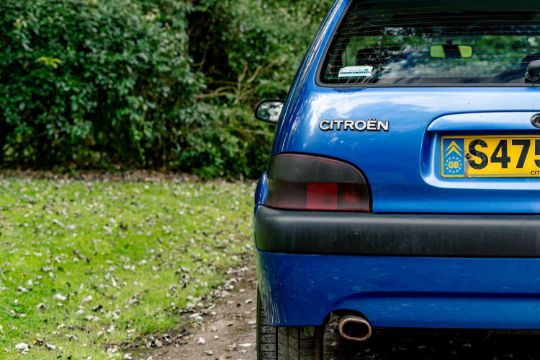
[355,71]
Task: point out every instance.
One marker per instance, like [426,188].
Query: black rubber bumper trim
[301,232]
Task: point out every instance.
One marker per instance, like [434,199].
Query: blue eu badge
[453,159]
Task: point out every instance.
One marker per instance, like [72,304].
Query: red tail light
[306,182]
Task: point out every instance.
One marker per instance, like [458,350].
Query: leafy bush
[102,83]
[91,83]
[234,146]
[250,49]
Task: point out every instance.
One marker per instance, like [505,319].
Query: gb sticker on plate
[453,162]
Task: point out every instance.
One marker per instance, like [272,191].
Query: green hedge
[161,84]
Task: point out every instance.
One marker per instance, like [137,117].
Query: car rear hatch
[404,165]
[449,82]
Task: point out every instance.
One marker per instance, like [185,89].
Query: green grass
[127,256]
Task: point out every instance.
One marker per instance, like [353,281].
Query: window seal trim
[322,60]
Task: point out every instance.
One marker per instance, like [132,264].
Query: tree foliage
[164,84]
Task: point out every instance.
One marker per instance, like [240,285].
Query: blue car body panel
[491,293]
[407,181]
[402,292]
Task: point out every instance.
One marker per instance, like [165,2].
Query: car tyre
[286,343]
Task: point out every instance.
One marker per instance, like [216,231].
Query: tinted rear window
[418,43]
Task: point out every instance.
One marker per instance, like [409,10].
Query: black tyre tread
[285,343]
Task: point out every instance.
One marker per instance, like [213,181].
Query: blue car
[403,188]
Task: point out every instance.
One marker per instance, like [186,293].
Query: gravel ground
[227,333]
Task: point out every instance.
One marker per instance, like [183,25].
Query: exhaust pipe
[355,328]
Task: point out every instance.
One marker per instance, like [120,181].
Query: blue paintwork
[486,121]
[262,189]
[301,290]
[402,167]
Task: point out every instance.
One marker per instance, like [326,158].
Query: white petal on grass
[58,223]
[59,297]
[22,348]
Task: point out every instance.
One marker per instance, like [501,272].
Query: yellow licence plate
[490,156]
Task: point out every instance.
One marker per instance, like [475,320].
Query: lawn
[89,266]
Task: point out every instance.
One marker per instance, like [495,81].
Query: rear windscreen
[418,43]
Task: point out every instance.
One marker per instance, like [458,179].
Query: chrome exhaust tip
[355,328]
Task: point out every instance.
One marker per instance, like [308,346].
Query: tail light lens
[306,182]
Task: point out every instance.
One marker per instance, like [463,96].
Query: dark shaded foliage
[145,84]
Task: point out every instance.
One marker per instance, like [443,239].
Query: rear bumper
[402,292]
[301,232]
[400,271]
